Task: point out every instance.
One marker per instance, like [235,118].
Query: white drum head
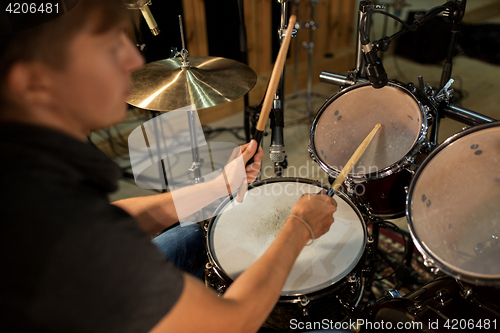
[454,206]
[243,232]
[351,116]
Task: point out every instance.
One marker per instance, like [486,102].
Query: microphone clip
[376,72]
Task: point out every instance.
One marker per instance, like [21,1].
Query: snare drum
[453,207]
[443,305]
[324,281]
[379,178]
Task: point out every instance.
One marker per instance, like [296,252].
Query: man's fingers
[249,151]
[334,203]
[259,155]
[253,167]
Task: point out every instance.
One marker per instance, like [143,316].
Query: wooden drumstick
[268,99]
[353,160]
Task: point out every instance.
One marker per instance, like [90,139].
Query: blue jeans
[185,246]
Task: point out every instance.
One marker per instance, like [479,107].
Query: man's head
[71,73]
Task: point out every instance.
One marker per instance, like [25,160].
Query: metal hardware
[277,104]
[466,293]
[445,94]
[428,262]
[443,296]
[415,309]
[394,294]
[196,165]
[304,301]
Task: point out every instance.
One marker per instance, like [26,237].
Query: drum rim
[428,254]
[222,273]
[387,171]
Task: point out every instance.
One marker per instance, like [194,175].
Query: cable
[416,23]
[365,18]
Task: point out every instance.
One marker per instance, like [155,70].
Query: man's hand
[247,151]
[236,170]
[317,210]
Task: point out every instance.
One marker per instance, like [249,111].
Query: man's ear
[30,83]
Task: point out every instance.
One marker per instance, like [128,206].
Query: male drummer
[73,262]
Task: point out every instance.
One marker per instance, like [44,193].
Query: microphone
[376,72]
[277,150]
[143,5]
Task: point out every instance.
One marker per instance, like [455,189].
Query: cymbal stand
[312,26]
[197,161]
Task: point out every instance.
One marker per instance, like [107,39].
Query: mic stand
[277,149]
[453,14]
[360,68]
[358,73]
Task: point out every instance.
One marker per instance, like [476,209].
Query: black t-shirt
[71,261]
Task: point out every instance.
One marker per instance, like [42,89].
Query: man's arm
[252,296]
[154,213]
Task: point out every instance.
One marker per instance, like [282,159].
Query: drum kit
[449,193]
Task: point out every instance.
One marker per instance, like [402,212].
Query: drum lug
[208,273]
[311,152]
[435,270]
[430,116]
[349,186]
[411,87]
[429,263]
[407,188]
[304,300]
[368,211]
[212,279]
[407,162]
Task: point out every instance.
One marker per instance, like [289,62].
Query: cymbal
[165,85]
